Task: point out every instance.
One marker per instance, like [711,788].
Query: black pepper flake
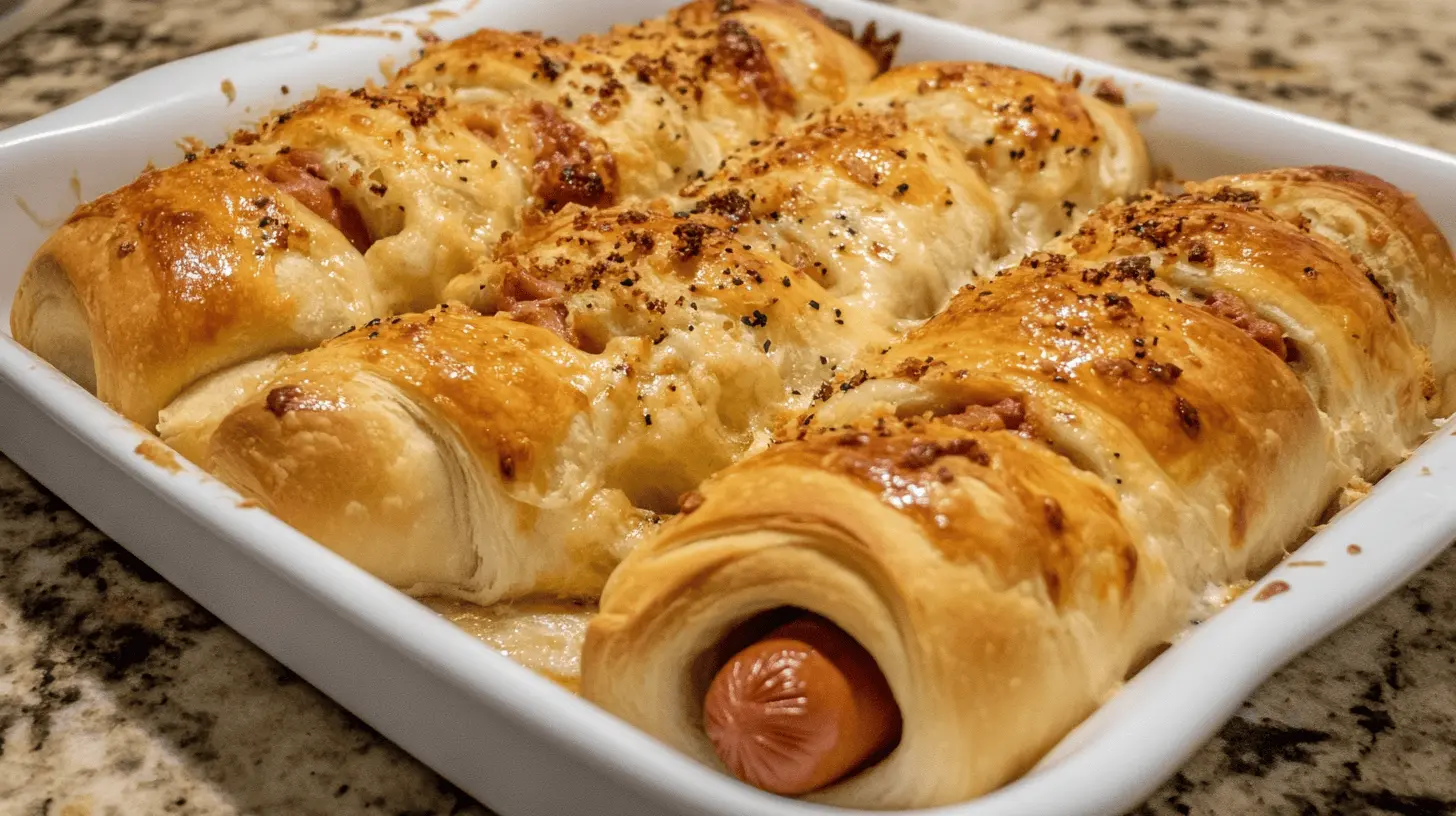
[766,345]
[758,319]
[647,418]
[378,189]
[239,163]
[730,204]
[1188,416]
[192,157]
[902,188]
[787,282]
[627,282]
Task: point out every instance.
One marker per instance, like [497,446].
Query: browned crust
[572,167]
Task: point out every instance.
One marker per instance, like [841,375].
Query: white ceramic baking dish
[514,740]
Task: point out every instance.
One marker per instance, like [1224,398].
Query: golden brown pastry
[648,106]
[695,332]
[487,458]
[1022,498]
[1360,212]
[932,174]
[359,205]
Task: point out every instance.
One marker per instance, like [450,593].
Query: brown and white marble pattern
[119,695]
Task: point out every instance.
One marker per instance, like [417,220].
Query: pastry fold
[364,204]
[1021,499]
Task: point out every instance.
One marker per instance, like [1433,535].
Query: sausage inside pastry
[358,205]
[693,327]
[954,558]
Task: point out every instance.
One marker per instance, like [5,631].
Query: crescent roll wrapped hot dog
[485,458]
[651,104]
[1357,210]
[975,542]
[359,205]
[926,179]
[698,330]
[928,176]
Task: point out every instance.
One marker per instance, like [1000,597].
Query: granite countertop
[120,695]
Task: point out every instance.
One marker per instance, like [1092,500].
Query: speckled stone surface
[119,695]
